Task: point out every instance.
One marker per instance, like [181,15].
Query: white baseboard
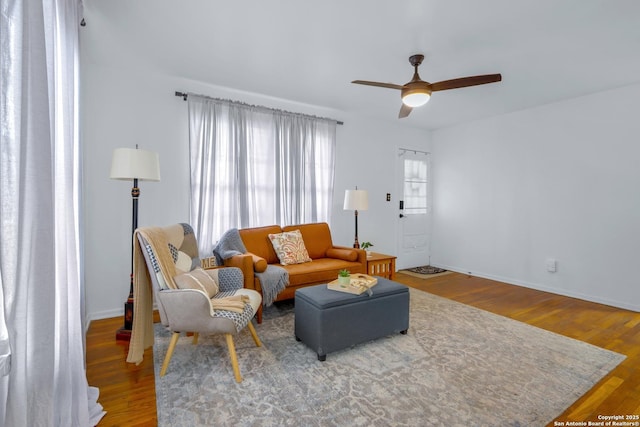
[106,314]
[564,292]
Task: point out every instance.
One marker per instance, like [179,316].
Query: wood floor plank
[127,392]
[598,395]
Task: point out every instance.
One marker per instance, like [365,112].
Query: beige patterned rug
[458,365]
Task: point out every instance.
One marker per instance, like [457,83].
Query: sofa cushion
[198,279]
[322,270]
[256,240]
[316,236]
[289,247]
[343,253]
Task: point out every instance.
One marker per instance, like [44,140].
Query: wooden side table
[381,265]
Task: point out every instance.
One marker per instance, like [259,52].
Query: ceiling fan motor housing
[416,60]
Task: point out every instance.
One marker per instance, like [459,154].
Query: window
[415,185]
[253,166]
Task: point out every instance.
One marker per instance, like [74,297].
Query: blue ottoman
[327,320]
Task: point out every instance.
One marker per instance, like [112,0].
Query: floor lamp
[133,164]
[356,200]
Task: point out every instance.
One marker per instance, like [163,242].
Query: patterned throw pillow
[198,279]
[289,247]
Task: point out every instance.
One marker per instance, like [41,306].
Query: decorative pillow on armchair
[289,247]
[198,279]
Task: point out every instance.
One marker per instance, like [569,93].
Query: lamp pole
[356,200]
[133,164]
[356,244]
[128,305]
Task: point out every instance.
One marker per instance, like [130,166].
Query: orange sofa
[326,259]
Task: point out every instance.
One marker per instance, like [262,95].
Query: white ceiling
[309,52]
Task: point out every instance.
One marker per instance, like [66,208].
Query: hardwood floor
[127,392]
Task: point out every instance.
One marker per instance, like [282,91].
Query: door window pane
[415,186]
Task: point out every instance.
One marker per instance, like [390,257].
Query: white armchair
[192,299]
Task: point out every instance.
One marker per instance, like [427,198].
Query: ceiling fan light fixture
[416,99]
[416,93]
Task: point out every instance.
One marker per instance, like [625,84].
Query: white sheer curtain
[41,332]
[253,166]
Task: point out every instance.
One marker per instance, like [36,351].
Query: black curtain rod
[184,96]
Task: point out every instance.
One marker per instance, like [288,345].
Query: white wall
[124,105]
[367,157]
[560,181]
[509,192]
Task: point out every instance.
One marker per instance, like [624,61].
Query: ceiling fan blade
[387,85]
[404,111]
[465,82]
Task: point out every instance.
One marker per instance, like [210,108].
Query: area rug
[457,366]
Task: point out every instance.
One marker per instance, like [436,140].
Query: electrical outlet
[552,265]
[388,197]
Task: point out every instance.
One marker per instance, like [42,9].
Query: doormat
[426,269]
[425,272]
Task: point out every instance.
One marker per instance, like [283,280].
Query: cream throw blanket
[142,329]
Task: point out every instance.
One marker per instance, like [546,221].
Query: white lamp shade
[132,163]
[356,200]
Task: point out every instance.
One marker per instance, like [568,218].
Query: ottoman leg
[322,357]
[404,332]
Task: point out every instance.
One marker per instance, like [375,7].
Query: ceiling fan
[417,92]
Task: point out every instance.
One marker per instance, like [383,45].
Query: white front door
[413,209]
